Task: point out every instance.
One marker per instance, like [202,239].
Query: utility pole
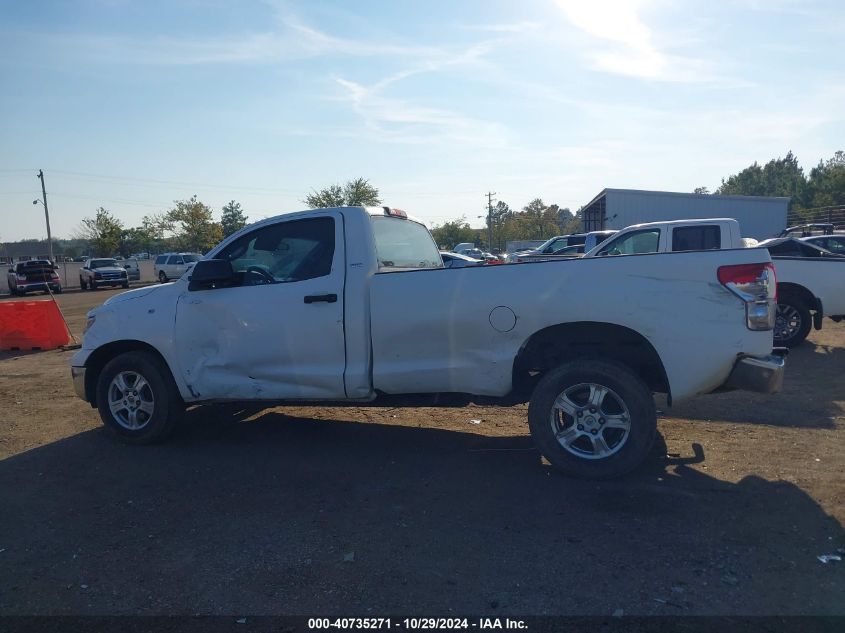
[46,214]
[490,195]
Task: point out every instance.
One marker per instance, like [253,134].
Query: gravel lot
[379,510]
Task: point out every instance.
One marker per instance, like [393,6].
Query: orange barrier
[31,325]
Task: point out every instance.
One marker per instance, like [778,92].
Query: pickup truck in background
[352,304]
[672,237]
[811,286]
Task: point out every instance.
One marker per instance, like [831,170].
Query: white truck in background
[351,304]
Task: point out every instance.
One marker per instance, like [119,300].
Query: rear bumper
[758,373]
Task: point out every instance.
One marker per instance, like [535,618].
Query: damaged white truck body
[346,304]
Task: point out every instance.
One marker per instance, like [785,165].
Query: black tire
[92,284]
[20,292]
[624,386]
[162,278]
[793,321]
[125,284]
[82,284]
[57,291]
[160,389]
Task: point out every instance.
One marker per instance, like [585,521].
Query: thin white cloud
[622,42]
[394,120]
[512,27]
[288,39]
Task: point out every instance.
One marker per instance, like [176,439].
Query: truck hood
[108,269]
[137,293]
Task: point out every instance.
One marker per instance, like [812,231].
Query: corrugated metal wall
[759,218]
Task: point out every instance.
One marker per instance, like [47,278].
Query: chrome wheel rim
[787,322]
[131,400]
[590,421]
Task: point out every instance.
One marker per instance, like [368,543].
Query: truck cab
[674,236]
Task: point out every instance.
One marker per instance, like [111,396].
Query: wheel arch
[797,290]
[103,354]
[553,345]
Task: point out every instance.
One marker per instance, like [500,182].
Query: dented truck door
[277,331]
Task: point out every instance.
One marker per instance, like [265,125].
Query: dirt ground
[379,510]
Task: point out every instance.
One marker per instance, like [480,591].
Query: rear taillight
[21,277]
[53,276]
[756,285]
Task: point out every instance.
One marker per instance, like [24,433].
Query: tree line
[823,187]
[188,226]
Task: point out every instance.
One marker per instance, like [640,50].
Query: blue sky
[131,105]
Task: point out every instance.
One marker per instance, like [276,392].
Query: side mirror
[207,274]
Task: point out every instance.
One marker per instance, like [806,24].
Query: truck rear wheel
[793,321]
[137,398]
[593,419]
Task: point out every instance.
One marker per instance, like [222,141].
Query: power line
[179,183]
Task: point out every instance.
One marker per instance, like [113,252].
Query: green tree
[701,190]
[826,184]
[449,234]
[103,232]
[233,218]
[779,177]
[355,193]
[193,224]
[540,218]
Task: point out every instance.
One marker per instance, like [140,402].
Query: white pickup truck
[347,304]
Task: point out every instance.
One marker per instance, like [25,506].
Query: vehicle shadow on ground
[264,513]
[812,395]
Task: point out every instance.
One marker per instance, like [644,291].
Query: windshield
[103,263]
[404,244]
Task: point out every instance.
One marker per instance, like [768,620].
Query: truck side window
[284,252]
[696,238]
[637,242]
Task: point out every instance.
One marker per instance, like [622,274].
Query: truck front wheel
[793,321]
[593,419]
[137,398]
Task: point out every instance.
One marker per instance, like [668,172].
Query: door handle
[332,298]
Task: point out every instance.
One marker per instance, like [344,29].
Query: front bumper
[78,375]
[111,282]
[32,286]
[758,373]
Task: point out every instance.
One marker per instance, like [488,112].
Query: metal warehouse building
[759,217]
